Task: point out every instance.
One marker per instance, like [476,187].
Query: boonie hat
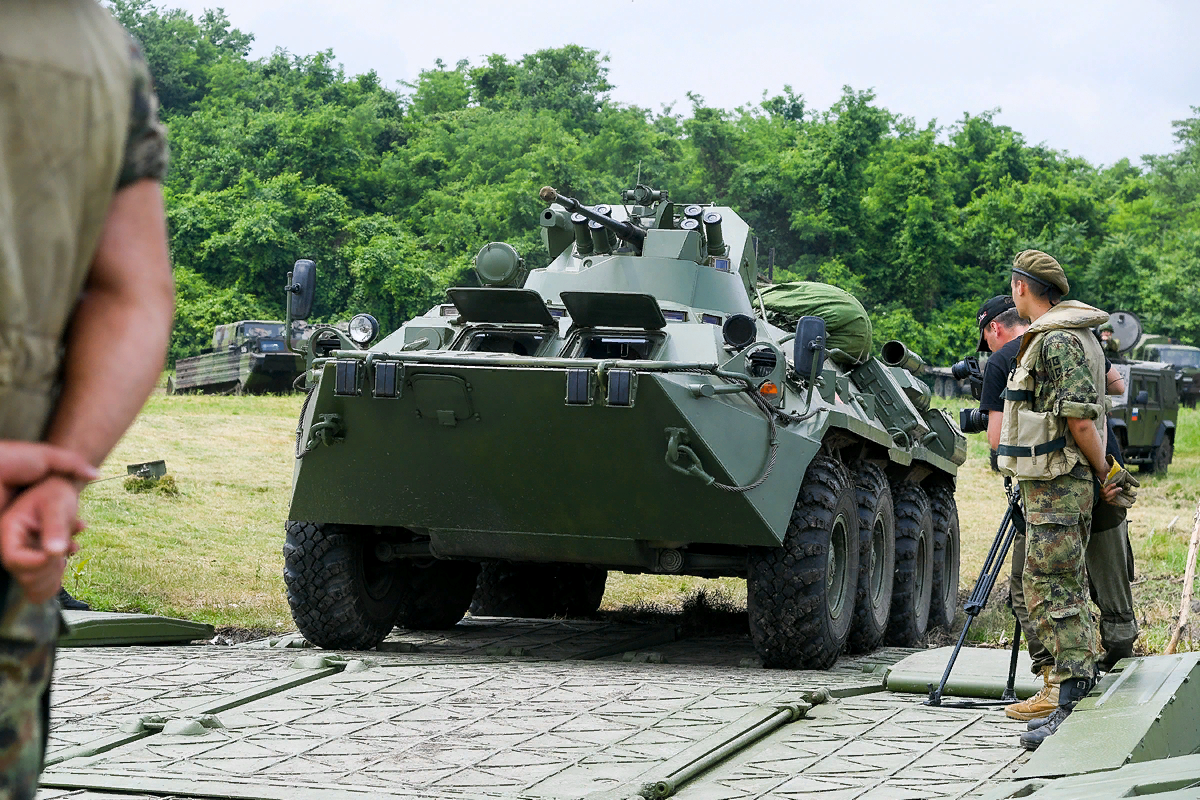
[988,312]
[1042,268]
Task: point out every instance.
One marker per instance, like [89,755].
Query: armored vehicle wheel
[538,590]
[341,596]
[876,558]
[439,594]
[801,594]
[943,604]
[913,583]
[1161,459]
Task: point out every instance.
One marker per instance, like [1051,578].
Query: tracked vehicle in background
[628,407]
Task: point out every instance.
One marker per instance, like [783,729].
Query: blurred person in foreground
[86,301]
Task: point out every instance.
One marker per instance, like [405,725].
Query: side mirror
[809,345]
[1142,398]
[302,288]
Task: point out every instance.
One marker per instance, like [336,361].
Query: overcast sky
[1099,79]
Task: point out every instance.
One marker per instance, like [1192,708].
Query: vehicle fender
[1165,428]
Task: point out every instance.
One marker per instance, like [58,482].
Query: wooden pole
[1189,577]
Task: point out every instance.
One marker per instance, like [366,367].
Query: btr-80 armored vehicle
[628,407]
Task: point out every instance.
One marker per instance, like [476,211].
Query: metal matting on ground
[871,746]
[511,637]
[447,717]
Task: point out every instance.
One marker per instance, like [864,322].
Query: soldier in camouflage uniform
[86,300]
[1053,441]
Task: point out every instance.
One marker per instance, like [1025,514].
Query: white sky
[1100,79]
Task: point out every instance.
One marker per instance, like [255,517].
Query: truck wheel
[913,583]
[1162,457]
[439,594]
[943,604]
[341,596]
[876,558]
[538,590]
[801,594]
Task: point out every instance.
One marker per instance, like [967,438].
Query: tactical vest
[65,96]
[1037,445]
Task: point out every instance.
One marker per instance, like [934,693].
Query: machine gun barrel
[630,233]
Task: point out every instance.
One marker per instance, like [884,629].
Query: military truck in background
[1131,342]
[1144,417]
[1182,358]
[246,357]
[627,407]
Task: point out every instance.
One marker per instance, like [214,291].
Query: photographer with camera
[1109,559]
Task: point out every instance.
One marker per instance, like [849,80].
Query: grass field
[213,551]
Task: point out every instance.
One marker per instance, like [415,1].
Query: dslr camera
[971,420]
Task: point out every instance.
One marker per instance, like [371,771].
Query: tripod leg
[1010,691]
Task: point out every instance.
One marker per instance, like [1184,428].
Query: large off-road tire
[943,603]
[538,590]
[1161,459]
[341,596]
[439,594]
[801,594]
[876,558]
[912,585]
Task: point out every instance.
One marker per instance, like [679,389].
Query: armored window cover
[614,310]
[519,306]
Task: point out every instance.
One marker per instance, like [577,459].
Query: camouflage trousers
[28,633]
[1109,570]
[1058,517]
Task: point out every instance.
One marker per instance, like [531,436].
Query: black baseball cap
[988,312]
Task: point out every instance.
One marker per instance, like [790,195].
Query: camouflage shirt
[146,143]
[1062,382]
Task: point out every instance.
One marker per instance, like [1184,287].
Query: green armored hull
[628,407]
[249,357]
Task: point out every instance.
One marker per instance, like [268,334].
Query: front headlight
[363,329]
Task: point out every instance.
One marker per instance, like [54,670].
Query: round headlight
[363,329]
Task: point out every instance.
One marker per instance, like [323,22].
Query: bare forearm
[1086,437]
[995,422]
[117,342]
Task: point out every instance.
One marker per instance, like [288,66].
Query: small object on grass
[1189,577]
[164,485]
[148,469]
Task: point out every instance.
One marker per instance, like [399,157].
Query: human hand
[36,533]
[25,463]
[1119,487]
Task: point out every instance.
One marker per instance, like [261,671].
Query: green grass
[213,552]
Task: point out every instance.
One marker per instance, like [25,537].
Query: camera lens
[972,420]
[961,370]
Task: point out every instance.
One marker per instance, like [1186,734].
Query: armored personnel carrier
[250,356]
[627,407]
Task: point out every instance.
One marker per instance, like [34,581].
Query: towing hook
[327,431]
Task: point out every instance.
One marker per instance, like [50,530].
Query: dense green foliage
[392,192]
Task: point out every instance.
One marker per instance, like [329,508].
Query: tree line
[392,191]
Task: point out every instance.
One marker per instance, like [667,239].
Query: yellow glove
[1120,477]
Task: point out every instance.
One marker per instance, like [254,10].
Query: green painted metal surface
[107,629]
[1163,779]
[1147,710]
[978,672]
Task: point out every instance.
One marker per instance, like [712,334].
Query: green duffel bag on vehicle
[846,322]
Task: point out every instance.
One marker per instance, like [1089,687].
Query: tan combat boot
[1041,704]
